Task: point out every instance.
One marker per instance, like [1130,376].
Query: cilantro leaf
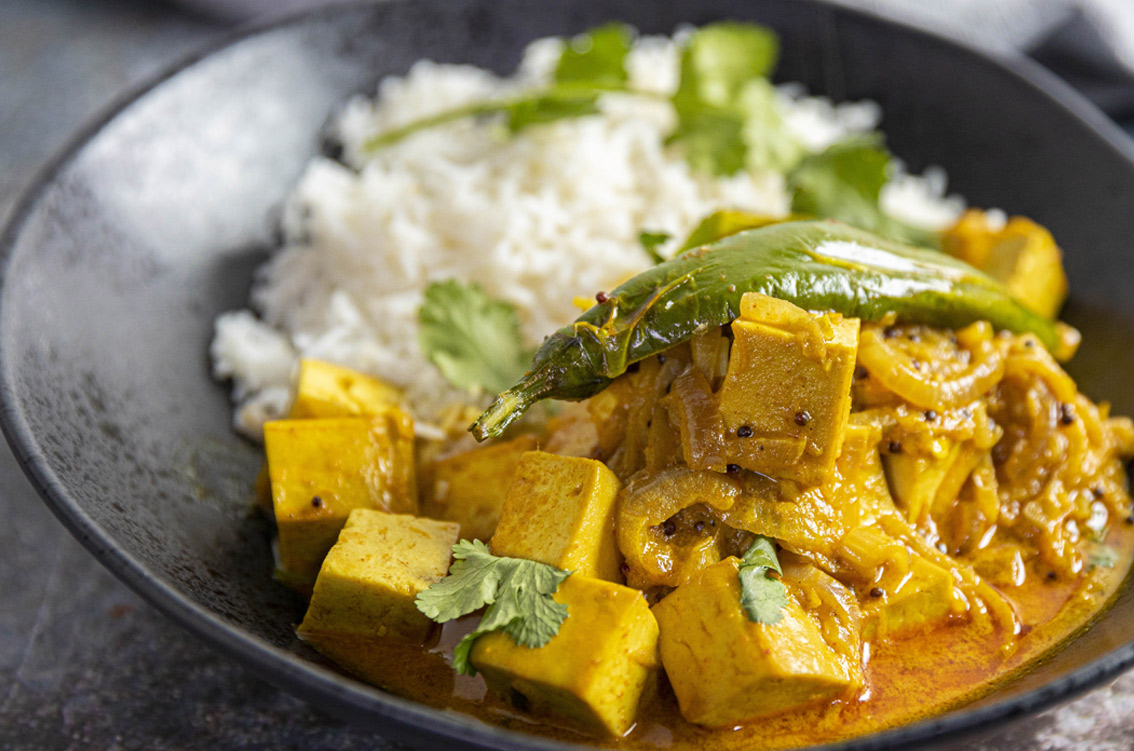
[762,552]
[463,652]
[518,593]
[590,64]
[542,615]
[726,118]
[762,597]
[472,582]
[844,182]
[473,340]
[769,144]
[718,62]
[597,57]
[554,104]
[651,241]
[712,139]
[531,108]
[720,59]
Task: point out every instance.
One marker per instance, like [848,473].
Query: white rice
[536,220]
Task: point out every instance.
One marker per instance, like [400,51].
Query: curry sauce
[909,678]
[798,527]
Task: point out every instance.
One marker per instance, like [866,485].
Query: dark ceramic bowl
[151,225]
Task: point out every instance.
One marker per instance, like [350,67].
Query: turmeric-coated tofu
[321,470]
[786,396]
[593,673]
[926,596]
[371,576]
[1021,255]
[726,669]
[327,390]
[470,487]
[560,510]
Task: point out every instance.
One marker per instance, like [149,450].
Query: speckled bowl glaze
[151,223]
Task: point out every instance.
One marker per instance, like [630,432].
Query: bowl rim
[349,698]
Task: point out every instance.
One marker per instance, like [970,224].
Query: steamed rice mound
[536,220]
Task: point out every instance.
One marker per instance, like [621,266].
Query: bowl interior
[154,222]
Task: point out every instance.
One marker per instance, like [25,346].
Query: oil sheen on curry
[809,484]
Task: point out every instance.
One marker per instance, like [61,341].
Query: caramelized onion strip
[918,371]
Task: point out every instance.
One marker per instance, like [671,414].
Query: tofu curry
[791,525]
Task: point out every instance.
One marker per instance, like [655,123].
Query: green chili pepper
[818,265]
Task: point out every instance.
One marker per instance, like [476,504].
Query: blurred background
[84,663]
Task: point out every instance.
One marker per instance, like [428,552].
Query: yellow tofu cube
[726,670]
[371,576]
[326,390]
[1029,263]
[1021,255]
[592,674]
[560,510]
[970,239]
[833,606]
[1001,564]
[362,614]
[321,470]
[470,487]
[927,595]
[786,395]
[908,591]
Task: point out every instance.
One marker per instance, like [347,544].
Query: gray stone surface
[85,664]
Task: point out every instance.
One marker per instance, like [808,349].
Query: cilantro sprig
[726,119]
[724,101]
[845,182]
[518,111]
[518,594]
[591,64]
[473,340]
[762,596]
[597,58]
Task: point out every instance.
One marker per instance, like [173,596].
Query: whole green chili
[818,265]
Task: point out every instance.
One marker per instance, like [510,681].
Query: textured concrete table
[85,664]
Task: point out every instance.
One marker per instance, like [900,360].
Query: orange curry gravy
[1042,440]
[907,679]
